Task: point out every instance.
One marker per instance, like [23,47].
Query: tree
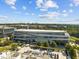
[38,43]
[68,46]
[45,44]
[72,51]
[53,44]
[13,46]
[33,40]
[73,54]
[49,42]
[5,42]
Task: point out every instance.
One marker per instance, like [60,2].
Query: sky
[39,11]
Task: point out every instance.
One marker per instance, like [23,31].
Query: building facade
[40,35]
[6,31]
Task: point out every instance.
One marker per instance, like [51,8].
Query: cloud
[53,15]
[65,14]
[76,2]
[71,5]
[64,11]
[3,17]
[11,3]
[39,3]
[76,20]
[50,4]
[50,15]
[13,7]
[45,4]
[32,14]
[24,8]
[43,9]
[70,10]
[69,20]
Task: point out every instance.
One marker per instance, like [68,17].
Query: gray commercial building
[40,35]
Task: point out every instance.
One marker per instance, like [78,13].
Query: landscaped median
[2,49]
[74,39]
[72,50]
[6,44]
[43,47]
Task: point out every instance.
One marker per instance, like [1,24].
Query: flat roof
[5,27]
[38,30]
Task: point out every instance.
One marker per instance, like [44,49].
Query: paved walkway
[61,56]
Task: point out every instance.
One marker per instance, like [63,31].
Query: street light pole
[48,49]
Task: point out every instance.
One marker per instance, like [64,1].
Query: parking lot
[29,53]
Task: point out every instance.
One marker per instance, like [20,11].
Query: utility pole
[28,26]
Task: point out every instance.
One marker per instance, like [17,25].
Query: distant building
[6,31]
[40,35]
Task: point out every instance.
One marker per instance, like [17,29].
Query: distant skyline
[39,11]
